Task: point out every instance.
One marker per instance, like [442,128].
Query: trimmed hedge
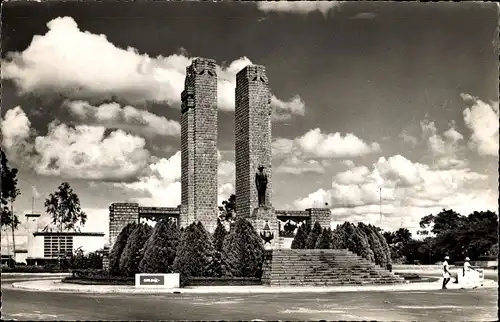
[134,250]
[243,251]
[195,254]
[325,239]
[118,246]
[220,234]
[160,248]
[299,242]
[313,236]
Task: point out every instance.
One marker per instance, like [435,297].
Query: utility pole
[380,195]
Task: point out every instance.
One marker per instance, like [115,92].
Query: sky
[397,96]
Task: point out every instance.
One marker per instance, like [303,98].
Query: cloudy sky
[402,96]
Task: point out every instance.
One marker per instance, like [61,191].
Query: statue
[261,184]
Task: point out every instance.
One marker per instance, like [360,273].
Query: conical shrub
[243,251]
[195,254]
[134,250]
[313,236]
[325,239]
[117,250]
[299,241]
[219,235]
[160,249]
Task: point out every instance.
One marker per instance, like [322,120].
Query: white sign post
[144,280]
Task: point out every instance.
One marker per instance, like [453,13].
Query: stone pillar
[252,137]
[199,145]
[105,258]
[321,215]
[121,214]
[263,216]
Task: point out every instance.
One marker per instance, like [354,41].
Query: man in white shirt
[446,272]
[467,274]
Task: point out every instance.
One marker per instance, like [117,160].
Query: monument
[253,151]
[199,145]
[199,159]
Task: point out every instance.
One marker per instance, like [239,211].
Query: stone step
[335,283]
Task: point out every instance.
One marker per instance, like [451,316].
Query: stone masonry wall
[199,145]
[321,215]
[252,136]
[121,214]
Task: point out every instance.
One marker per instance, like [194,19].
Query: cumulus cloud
[16,130]
[295,165]
[129,118]
[445,148]
[161,185]
[325,145]
[86,152]
[80,152]
[91,68]
[355,194]
[298,7]
[482,120]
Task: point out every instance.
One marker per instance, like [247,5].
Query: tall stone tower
[252,137]
[199,145]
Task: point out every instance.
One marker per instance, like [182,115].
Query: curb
[36,274]
[46,286]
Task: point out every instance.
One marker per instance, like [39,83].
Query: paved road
[452,305]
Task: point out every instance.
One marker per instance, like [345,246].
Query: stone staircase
[323,267]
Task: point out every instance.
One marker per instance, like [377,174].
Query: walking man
[468,279]
[446,272]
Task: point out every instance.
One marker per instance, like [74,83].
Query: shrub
[195,254]
[219,235]
[355,240]
[325,239]
[134,250]
[243,251]
[160,248]
[117,250]
[299,242]
[364,245]
[312,238]
[375,245]
[383,242]
[338,239]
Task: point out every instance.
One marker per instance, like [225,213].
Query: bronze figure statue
[261,184]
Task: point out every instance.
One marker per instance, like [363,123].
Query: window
[51,245]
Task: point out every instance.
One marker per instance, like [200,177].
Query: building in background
[43,246]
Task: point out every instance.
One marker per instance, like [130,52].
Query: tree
[195,254]
[356,241]
[243,251]
[219,235]
[325,239]
[117,250]
[313,236]
[134,250]
[299,241]
[383,242]
[9,193]
[64,208]
[160,248]
[228,209]
[375,245]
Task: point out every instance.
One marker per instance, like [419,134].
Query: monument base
[262,216]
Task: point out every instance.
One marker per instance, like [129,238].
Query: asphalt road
[450,305]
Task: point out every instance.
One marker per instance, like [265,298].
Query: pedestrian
[446,272]
[468,278]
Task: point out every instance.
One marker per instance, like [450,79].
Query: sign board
[157,280]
